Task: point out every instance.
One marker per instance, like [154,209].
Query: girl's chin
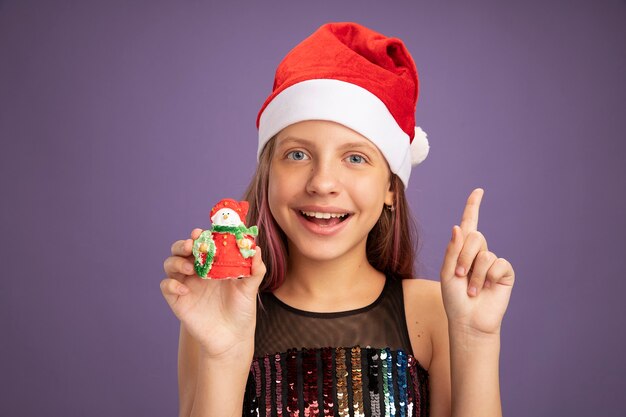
[320,252]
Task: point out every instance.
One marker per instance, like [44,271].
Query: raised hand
[219,314]
[475,284]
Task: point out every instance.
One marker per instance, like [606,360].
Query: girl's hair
[390,244]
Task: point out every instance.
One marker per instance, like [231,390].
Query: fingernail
[460,271]
[472,291]
[188,269]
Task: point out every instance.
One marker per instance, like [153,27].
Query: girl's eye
[356,159]
[296,155]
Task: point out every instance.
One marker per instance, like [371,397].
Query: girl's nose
[323,180]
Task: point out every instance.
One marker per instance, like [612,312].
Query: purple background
[123,122]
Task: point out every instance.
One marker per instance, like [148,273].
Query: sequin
[342,383]
[409,391]
[385,374]
[401,372]
[309,390]
[419,380]
[372,376]
[292,394]
[268,385]
[357,383]
[349,383]
[250,408]
[392,394]
[327,381]
[256,373]
[279,385]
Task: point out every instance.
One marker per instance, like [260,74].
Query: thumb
[452,254]
[258,271]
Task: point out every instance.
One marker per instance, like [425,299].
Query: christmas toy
[226,249]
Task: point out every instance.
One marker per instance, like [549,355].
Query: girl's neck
[340,284]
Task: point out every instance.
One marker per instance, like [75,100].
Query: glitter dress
[352,363]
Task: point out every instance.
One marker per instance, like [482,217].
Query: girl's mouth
[324,219]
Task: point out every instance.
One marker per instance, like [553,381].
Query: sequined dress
[352,363]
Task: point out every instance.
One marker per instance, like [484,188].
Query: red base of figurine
[223,272]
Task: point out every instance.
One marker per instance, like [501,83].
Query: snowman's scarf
[238,231]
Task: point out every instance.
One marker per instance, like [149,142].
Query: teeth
[319,215]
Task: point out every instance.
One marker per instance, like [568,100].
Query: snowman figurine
[226,249]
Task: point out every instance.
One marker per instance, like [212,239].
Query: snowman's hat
[240,207]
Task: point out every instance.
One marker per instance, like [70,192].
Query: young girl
[332,321]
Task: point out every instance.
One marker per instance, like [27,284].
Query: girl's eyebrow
[357,145]
[292,139]
[349,145]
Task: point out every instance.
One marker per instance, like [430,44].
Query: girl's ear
[390,197]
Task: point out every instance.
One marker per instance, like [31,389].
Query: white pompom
[419,146]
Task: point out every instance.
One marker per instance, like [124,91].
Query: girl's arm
[463,372]
[476,287]
[475,374]
[210,386]
[216,342]
[426,316]
[187,371]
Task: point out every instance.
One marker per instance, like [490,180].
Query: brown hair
[391,243]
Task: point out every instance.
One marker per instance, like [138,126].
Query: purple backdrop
[121,124]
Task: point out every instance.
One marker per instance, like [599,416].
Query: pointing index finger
[469,220]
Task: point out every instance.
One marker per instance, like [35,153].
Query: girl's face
[327,188]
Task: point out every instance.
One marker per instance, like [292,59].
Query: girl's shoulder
[425,316]
[424,291]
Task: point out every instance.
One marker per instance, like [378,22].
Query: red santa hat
[240,207]
[349,74]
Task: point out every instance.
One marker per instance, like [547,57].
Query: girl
[341,328]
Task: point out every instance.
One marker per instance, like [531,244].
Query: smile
[323,223]
[319,215]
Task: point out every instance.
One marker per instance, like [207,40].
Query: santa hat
[239,207]
[349,74]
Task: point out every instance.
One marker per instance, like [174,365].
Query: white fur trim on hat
[342,102]
[419,146]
